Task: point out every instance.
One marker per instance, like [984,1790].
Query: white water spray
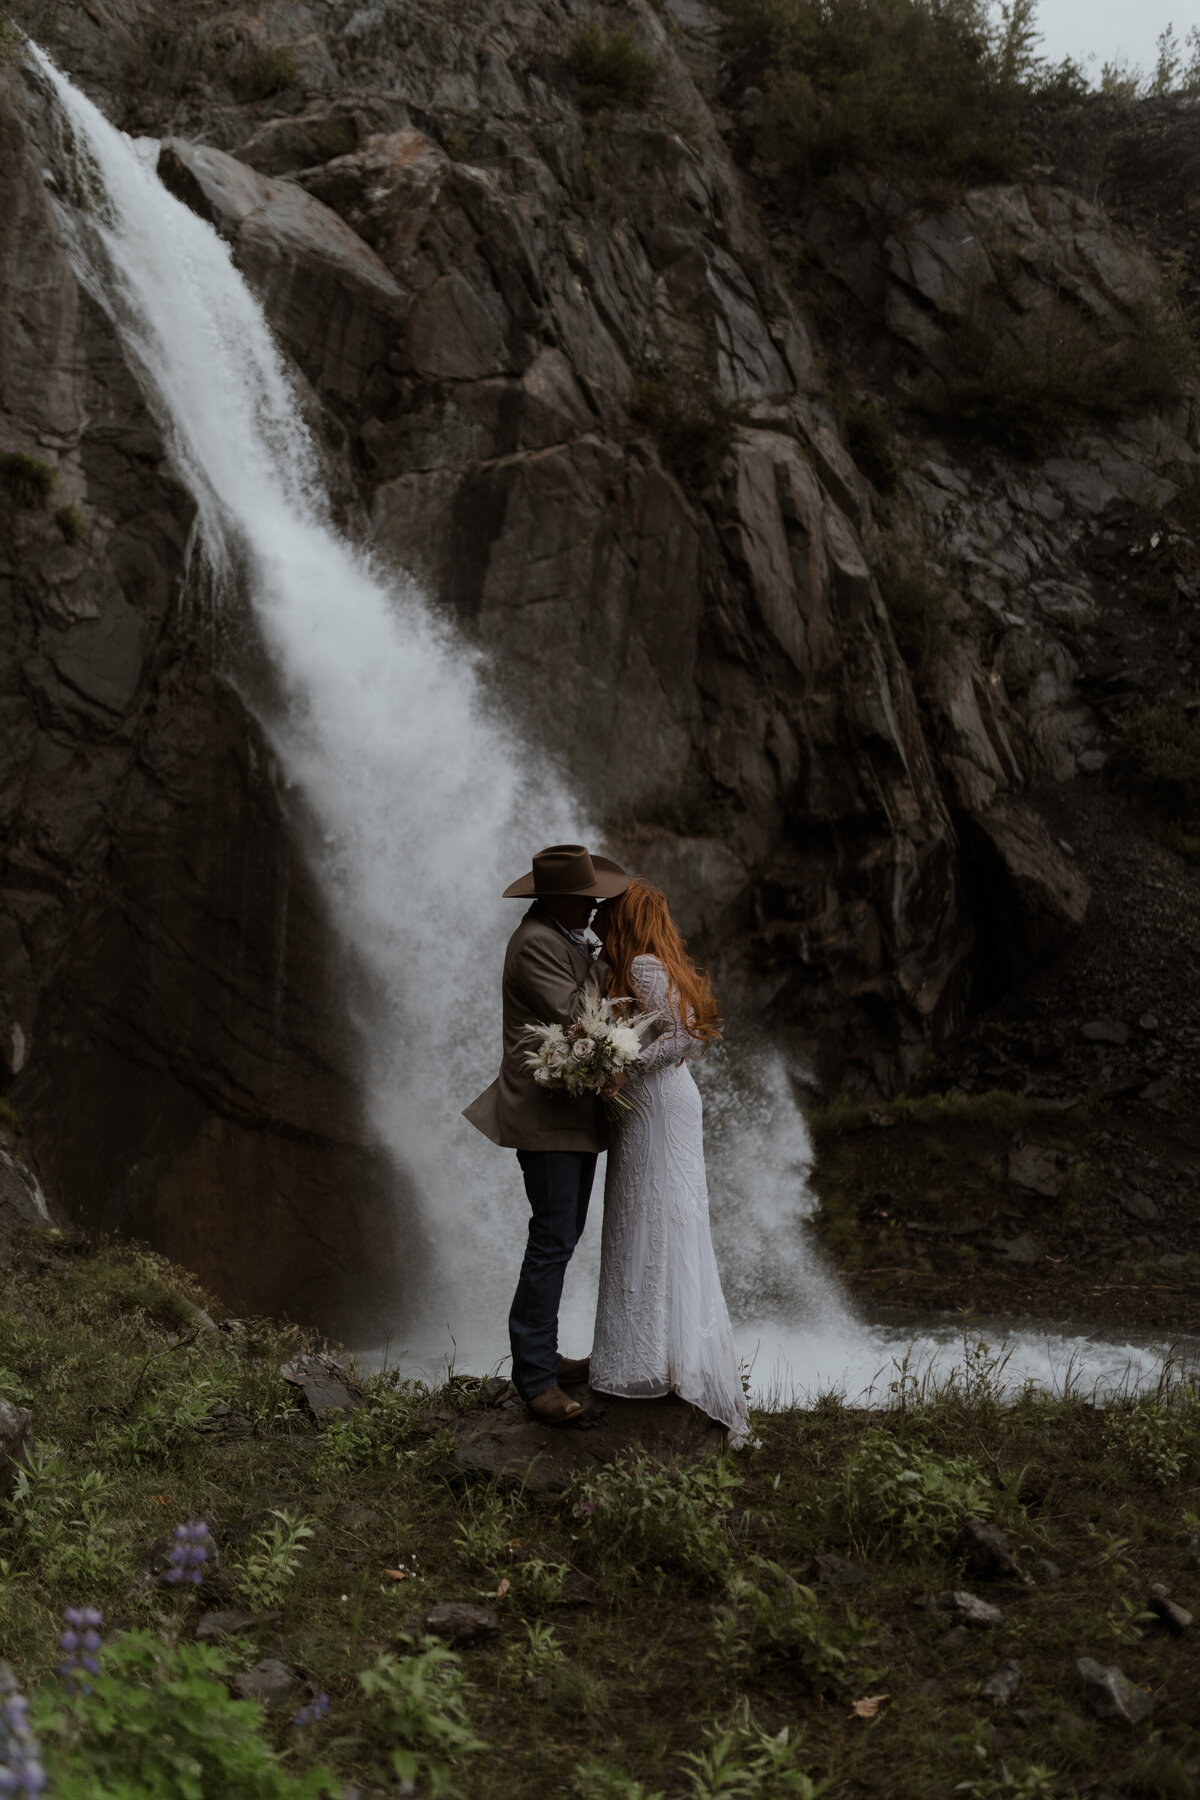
[422,803]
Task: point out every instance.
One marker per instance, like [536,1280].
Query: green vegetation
[1069,369]
[872,443]
[663,1631]
[996,1110]
[263,72]
[900,1179]
[612,70]
[1163,744]
[694,424]
[918,606]
[855,84]
[28,479]
[72,522]
[157,1722]
[638,1516]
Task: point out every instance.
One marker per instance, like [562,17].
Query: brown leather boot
[553,1407]
[572,1370]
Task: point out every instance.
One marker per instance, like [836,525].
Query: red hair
[638,923]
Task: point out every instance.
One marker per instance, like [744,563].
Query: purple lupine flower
[21,1770]
[82,1643]
[314,1712]
[189,1553]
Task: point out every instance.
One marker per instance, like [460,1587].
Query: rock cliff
[558,372]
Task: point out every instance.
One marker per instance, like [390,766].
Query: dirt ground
[1098,1055]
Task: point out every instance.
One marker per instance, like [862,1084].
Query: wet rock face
[168,1019]
[476,284]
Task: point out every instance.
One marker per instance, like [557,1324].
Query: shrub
[872,443]
[611,71]
[419,1713]
[918,607]
[908,1497]
[273,1562]
[693,423]
[639,1515]
[1159,1438]
[28,479]
[769,1617]
[264,71]
[57,1518]
[1068,369]
[72,522]
[158,1723]
[861,82]
[1163,743]
[743,1762]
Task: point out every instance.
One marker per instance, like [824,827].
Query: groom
[548,973]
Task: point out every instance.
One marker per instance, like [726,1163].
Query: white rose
[582,1048]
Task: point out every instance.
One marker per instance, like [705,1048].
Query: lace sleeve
[648,979]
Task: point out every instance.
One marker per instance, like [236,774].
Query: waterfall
[420,804]
[422,801]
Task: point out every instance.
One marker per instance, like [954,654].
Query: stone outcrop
[490,298]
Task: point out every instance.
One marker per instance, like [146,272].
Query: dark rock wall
[475,281]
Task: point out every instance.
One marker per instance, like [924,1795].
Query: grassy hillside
[660,1632]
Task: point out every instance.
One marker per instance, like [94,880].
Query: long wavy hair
[638,923]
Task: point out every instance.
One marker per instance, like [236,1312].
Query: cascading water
[421,803]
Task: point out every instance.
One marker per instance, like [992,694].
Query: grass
[898,1179]
[29,480]
[263,72]
[704,1659]
[611,69]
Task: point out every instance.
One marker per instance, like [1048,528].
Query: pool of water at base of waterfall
[792,1364]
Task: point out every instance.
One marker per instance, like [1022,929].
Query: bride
[661,1321]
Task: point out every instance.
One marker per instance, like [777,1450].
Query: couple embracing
[661,1322]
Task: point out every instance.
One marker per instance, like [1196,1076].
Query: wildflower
[82,1643]
[189,1553]
[21,1770]
[314,1712]
[587,1509]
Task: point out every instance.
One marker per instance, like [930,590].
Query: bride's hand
[619,1080]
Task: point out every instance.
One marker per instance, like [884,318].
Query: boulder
[333,299]
[986,1550]
[506,1443]
[968,1609]
[1003,1684]
[1039,1171]
[329,1390]
[1110,1694]
[270,1682]
[460,1621]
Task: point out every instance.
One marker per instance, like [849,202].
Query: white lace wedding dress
[661,1321]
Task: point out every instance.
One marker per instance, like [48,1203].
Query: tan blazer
[545,978]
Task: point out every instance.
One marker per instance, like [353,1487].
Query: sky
[1111,30]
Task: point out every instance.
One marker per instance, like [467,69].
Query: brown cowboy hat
[568,869]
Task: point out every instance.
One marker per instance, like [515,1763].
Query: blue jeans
[559,1185]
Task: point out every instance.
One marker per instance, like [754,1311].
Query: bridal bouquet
[582,1057]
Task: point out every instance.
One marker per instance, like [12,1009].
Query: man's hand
[619,1080]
